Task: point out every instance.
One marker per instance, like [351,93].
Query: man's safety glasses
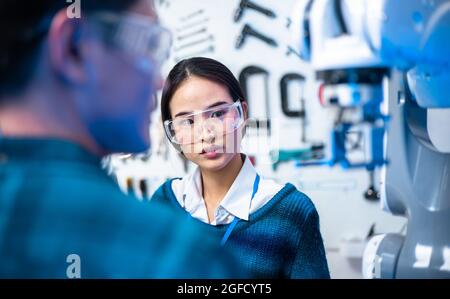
[135,34]
[191,128]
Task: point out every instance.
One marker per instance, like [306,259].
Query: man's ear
[66,55]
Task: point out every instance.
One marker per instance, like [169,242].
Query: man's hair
[23,28]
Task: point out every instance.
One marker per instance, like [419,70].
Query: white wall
[337,194]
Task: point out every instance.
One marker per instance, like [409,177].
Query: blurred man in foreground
[72,90]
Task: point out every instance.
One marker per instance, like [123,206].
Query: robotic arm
[357,49]
[348,37]
[354,44]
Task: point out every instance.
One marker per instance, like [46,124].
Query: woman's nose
[208,135]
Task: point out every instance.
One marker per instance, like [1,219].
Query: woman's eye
[186,122]
[219,113]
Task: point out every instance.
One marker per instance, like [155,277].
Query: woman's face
[213,146]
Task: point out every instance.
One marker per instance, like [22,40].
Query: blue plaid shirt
[55,201]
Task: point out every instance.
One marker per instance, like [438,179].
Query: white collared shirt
[236,203]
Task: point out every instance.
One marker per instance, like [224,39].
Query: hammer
[244,4]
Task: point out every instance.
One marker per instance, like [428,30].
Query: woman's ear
[245,109]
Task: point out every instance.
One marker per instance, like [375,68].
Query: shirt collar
[194,185]
[238,198]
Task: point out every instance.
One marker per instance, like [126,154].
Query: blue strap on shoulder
[236,219]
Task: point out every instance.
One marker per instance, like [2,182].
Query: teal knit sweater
[281,240]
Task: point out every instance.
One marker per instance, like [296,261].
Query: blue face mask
[119,135]
[125,130]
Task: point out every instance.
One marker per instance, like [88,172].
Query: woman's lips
[210,153]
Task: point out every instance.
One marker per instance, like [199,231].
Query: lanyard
[236,219]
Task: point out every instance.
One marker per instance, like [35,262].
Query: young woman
[273,229]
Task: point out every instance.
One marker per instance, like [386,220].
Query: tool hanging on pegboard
[209,38]
[193,34]
[286,80]
[244,78]
[247,4]
[185,27]
[192,15]
[287,102]
[249,31]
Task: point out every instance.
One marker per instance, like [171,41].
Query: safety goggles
[191,128]
[136,34]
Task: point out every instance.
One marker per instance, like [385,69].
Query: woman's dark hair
[206,68]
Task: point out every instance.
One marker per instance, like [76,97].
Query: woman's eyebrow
[209,107]
[216,104]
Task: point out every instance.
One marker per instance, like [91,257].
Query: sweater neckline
[286,190]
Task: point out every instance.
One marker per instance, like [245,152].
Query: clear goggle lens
[136,34]
[189,129]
